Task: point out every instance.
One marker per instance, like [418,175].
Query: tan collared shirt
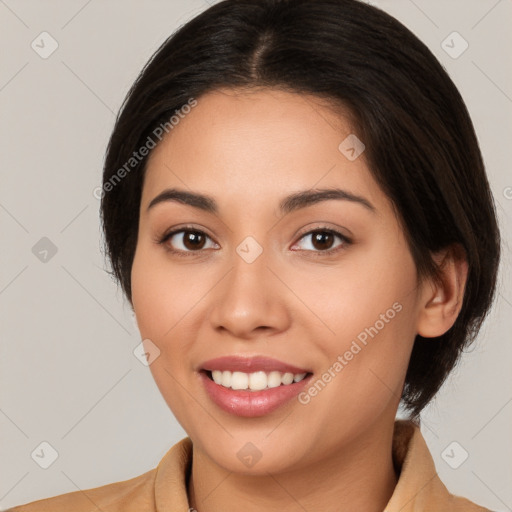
[163,489]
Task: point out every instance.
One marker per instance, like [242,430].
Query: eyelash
[178,252]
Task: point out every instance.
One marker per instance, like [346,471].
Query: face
[274,279]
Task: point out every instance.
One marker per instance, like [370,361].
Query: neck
[359,476]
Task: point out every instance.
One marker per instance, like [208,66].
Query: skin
[295,302]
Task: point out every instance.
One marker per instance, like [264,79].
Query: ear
[441,300]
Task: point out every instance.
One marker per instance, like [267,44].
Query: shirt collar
[419,488]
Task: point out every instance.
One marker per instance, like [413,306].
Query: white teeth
[287,378]
[257,381]
[226,379]
[217,376]
[239,380]
[254,381]
[274,379]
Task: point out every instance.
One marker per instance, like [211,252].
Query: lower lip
[250,404]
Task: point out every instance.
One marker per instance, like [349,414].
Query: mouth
[255,381]
[251,387]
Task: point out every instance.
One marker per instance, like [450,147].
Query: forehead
[255,144]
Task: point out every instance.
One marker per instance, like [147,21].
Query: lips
[250,365]
[250,403]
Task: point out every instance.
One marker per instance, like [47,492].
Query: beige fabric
[163,489]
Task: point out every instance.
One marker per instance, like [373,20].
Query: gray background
[67,369]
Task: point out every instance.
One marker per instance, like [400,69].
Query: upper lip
[250,365]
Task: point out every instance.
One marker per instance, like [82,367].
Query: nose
[250,300]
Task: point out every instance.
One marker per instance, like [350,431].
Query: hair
[421,146]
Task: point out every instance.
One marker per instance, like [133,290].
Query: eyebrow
[287,205]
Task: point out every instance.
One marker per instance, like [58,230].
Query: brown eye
[187,241]
[322,240]
[193,240]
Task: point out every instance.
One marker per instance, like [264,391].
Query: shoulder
[135,494]
[460,504]
[419,487]
[161,488]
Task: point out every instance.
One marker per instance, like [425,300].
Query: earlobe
[442,298]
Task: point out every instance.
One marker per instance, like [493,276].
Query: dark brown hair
[421,146]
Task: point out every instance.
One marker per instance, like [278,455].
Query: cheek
[351,297]
[371,312]
[363,374]
[167,301]
[162,294]
[161,301]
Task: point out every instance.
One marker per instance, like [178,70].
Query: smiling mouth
[254,381]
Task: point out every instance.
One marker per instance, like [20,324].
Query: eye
[323,241]
[187,240]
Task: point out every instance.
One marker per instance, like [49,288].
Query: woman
[296,208]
